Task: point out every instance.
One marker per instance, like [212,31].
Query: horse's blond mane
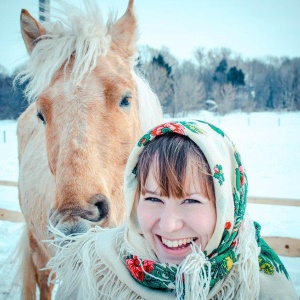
[150,111]
[76,31]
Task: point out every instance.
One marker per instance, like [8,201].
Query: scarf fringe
[243,280]
[73,264]
[80,272]
[193,276]
[247,253]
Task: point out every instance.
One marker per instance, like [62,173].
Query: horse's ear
[124,33]
[31,30]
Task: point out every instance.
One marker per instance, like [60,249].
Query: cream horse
[88,108]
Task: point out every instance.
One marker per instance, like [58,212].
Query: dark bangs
[170,156]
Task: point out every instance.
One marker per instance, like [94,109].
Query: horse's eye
[41,117]
[125,102]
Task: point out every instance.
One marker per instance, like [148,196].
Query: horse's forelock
[82,32]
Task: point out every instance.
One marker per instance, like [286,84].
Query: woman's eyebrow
[194,193]
[152,192]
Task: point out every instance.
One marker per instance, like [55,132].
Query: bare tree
[190,94]
[159,66]
[224,95]
[290,83]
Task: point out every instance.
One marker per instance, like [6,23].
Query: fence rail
[8,183]
[11,215]
[284,246]
[274,201]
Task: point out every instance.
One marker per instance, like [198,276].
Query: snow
[270,147]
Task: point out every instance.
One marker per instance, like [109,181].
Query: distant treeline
[216,80]
[12,100]
[221,81]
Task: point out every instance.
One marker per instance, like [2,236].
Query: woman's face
[170,225]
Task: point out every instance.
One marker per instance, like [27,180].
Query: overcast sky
[252,28]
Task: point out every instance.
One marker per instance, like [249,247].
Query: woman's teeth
[176,243]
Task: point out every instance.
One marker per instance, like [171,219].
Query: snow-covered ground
[270,147]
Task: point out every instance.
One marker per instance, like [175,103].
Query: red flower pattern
[242,178]
[148,266]
[235,243]
[173,127]
[137,271]
[227,225]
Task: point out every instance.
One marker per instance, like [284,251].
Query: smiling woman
[187,234]
[176,197]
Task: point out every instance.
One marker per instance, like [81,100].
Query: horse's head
[87,99]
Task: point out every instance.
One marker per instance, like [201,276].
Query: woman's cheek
[147,216]
[142,214]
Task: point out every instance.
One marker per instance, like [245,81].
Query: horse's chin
[73,226]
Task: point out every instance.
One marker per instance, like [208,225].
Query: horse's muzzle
[75,218]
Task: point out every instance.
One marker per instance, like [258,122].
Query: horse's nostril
[101,203]
[103,209]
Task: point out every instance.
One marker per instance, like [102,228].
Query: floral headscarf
[231,186]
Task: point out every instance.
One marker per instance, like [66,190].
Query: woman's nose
[170,220]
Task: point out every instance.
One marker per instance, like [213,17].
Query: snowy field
[270,147]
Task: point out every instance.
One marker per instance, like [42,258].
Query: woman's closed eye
[153,199]
[191,201]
